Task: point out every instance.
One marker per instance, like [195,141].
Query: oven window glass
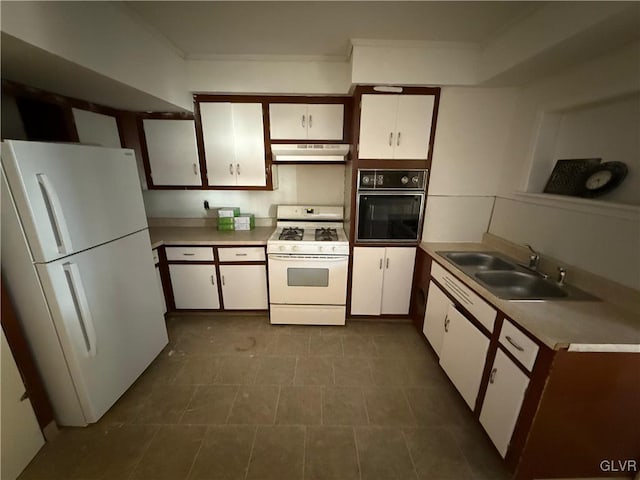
[389,217]
[308,277]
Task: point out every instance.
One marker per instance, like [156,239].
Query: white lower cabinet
[435,315]
[381,281]
[244,287]
[194,286]
[463,355]
[502,402]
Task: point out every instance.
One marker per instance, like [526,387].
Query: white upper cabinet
[173,151]
[299,121]
[233,135]
[96,128]
[395,126]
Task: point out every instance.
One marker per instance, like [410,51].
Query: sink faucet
[534,258]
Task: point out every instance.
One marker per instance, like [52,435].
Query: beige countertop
[207,236]
[557,323]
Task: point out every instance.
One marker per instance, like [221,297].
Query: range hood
[310,152]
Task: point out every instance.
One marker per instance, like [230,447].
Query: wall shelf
[585,205]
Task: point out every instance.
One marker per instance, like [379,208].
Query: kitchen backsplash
[298,184]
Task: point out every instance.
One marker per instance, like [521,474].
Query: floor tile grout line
[193,394]
[406,444]
[146,449]
[408,403]
[355,442]
[364,403]
[195,458]
[233,404]
[253,443]
[275,410]
[304,452]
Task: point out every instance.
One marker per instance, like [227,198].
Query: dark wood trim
[191,262]
[381,164]
[26,365]
[491,355]
[165,277]
[370,89]
[306,99]
[588,414]
[420,288]
[308,162]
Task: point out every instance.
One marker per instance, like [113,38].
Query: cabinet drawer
[518,344]
[480,309]
[156,257]
[241,254]
[189,253]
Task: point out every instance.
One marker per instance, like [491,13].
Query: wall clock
[604,178]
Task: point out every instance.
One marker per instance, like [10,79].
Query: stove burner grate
[326,235]
[291,233]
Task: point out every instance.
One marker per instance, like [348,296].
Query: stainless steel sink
[515,285]
[479,260]
[507,279]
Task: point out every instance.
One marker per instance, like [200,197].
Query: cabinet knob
[238,168]
[231,169]
[398,139]
[492,376]
[390,138]
[213,280]
[195,169]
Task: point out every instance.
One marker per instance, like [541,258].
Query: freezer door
[106,309]
[72,197]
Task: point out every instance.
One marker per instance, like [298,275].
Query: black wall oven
[390,205]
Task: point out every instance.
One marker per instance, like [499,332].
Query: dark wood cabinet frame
[580,408]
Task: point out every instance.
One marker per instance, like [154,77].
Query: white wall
[105,38]
[470,143]
[414,63]
[298,184]
[276,76]
[606,245]
[600,239]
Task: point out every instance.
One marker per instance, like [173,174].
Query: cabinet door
[96,128]
[194,286]
[159,280]
[501,406]
[434,316]
[366,282]
[377,126]
[398,277]
[248,131]
[413,126]
[219,143]
[288,121]
[244,287]
[463,355]
[173,154]
[325,121]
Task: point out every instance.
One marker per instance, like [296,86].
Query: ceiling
[321,28]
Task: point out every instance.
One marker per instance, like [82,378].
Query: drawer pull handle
[492,376]
[189,254]
[516,346]
[390,138]
[387,264]
[446,324]
[241,254]
[456,289]
[380,264]
[223,280]
[195,169]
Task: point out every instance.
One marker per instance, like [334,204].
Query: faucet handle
[562,273]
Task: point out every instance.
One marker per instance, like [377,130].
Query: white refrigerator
[77,263]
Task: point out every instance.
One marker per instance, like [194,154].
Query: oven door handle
[319,258]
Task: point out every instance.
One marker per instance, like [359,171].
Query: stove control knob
[415,179]
[333,248]
[282,248]
[404,180]
[294,248]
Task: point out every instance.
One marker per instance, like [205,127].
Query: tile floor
[236,398]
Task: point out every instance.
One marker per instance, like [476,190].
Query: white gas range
[308,258]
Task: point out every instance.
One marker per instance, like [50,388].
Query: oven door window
[389,217]
[307,277]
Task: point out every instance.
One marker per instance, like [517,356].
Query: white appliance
[309,152]
[77,262]
[308,257]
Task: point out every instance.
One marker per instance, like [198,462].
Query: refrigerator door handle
[82,307]
[54,211]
